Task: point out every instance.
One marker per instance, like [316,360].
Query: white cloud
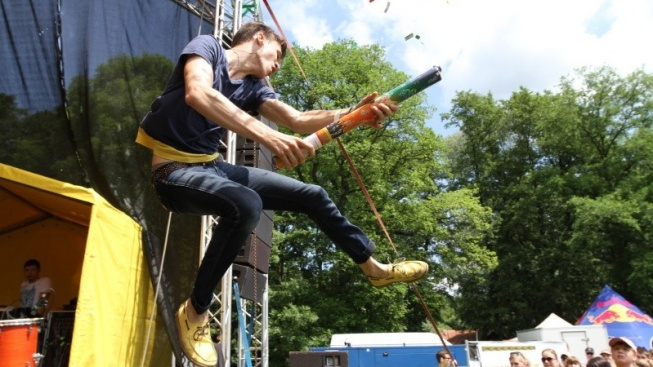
[484,45]
[301,24]
[627,45]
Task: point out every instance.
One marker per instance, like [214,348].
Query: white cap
[626,341]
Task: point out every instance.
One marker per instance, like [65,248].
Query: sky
[483,46]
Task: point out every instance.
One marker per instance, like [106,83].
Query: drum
[18,342]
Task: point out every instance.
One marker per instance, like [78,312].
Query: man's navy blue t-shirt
[176,125]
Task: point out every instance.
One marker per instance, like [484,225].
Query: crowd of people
[622,352]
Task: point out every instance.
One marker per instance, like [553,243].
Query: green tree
[612,214]
[565,175]
[403,167]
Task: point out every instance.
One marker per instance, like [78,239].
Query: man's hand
[383,109]
[289,150]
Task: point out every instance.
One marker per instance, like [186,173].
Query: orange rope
[292,52]
[366,194]
[413,286]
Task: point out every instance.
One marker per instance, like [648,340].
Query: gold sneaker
[404,271]
[195,340]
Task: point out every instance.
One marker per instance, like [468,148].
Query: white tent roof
[553,321]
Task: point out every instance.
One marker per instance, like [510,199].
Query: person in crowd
[598,362]
[644,356]
[444,359]
[518,359]
[572,361]
[550,358]
[642,353]
[563,357]
[213,90]
[589,354]
[624,352]
[607,355]
[34,290]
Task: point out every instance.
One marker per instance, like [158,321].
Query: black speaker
[251,283]
[58,338]
[265,227]
[261,158]
[255,253]
[256,250]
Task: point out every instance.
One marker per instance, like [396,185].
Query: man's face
[31,273]
[270,56]
[623,354]
[446,359]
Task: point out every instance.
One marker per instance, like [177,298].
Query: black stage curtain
[76,79]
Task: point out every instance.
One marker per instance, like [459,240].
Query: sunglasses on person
[546,359]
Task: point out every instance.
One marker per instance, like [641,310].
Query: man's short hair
[248,30]
[442,353]
[32,262]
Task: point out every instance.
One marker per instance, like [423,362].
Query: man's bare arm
[200,95]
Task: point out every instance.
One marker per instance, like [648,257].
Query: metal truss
[226,16]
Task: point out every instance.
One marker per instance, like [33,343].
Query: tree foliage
[567,175]
[402,166]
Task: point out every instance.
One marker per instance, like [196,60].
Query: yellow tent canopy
[91,251]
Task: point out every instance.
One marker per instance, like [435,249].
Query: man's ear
[260,38]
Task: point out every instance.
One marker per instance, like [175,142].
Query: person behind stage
[213,90]
[34,290]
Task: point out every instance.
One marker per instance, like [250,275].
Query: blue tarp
[620,317]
